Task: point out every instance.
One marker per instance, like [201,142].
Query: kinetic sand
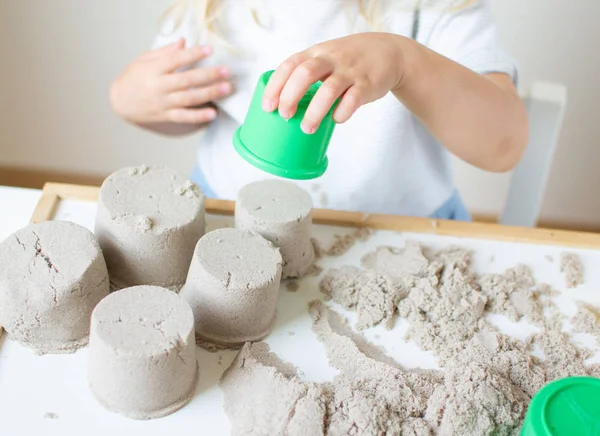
[148,222]
[52,275]
[282,213]
[142,359]
[232,287]
[486,381]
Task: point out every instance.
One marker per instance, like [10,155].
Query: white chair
[545,104]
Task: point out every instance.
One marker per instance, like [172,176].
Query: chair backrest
[545,104]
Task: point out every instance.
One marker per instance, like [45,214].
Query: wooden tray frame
[53,193]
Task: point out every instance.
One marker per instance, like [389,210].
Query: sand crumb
[406,264]
[142,224]
[292,286]
[454,308]
[188,189]
[141,170]
[212,347]
[363,234]
[342,244]
[571,267]
[50,415]
[594,370]
[514,295]
[372,295]
[587,320]
[473,400]
[323,199]
[561,357]
[314,270]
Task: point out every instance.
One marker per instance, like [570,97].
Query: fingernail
[284,114]
[309,130]
[224,72]
[211,115]
[206,49]
[268,105]
[225,88]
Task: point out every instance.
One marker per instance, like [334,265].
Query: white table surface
[16,207]
[32,387]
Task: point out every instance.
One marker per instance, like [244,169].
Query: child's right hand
[153,90]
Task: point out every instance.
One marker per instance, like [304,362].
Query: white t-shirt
[383,160]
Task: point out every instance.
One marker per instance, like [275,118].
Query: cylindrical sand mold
[52,275]
[148,223]
[142,359]
[232,287]
[281,212]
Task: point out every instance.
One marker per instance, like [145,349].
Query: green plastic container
[569,407]
[280,147]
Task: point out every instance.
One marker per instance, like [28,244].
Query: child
[416,84]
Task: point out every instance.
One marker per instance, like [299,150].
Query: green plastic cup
[280,147]
[570,406]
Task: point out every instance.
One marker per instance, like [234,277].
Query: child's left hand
[358,68]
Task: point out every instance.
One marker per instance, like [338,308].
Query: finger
[349,104]
[191,116]
[305,75]
[195,77]
[323,101]
[278,79]
[177,45]
[184,58]
[197,96]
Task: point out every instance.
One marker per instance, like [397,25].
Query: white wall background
[58,58]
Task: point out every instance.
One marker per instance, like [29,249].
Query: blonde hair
[209,11]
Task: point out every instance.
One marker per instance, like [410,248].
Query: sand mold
[142,356]
[52,275]
[148,222]
[232,287]
[281,212]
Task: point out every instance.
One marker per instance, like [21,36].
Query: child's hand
[359,68]
[152,90]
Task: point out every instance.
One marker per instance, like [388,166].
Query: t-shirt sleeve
[177,24]
[468,36]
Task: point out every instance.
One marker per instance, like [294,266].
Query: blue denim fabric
[453,209]
[198,178]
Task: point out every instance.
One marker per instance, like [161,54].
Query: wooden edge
[75,192]
[53,192]
[45,207]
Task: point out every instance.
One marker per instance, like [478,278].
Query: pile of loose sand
[487,378]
